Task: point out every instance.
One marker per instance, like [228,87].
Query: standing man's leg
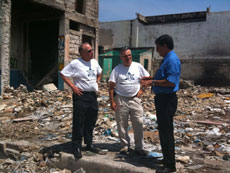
[91,118]
[136,117]
[78,125]
[165,109]
[122,115]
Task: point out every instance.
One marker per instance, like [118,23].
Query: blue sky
[115,10]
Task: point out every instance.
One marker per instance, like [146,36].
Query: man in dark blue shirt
[165,85]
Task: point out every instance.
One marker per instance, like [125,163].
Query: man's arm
[111,95]
[143,85]
[140,92]
[163,83]
[75,89]
[148,81]
[99,77]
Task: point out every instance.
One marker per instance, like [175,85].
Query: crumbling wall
[115,34]
[58,4]
[207,72]
[85,23]
[198,43]
[75,41]
[91,6]
[201,39]
[211,72]
[92,9]
[73,27]
[193,40]
[147,56]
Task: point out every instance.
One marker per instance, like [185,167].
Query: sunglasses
[90,50]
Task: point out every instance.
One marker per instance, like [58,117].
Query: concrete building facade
[39,37]
[201,41]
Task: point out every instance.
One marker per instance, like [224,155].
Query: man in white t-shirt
[125,91]
[86,73]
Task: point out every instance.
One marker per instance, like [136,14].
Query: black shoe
[141,152]
[92,149]
[166,170]
[158,162]
[77,153]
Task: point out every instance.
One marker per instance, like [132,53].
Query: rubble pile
[43,118]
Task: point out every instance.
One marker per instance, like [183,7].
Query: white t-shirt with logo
[127,79]
[84,73]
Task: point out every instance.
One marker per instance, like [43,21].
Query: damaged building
[39,37]
[201,41]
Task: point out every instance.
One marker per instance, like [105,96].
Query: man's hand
[140,92]
[77,91]
[113,106]
[111,95]
[147,78]
[99,78]
[146,81]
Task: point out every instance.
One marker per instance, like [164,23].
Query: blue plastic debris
[154,154]
[68,135]
[197,140]
[107,132]
[49,137]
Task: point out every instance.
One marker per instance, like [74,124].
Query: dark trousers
[85,112]
[166,105]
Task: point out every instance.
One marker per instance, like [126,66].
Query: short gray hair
[81,46]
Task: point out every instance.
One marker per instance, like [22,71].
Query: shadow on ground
[112,153]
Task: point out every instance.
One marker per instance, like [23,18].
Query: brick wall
[92,9]
[91,6]
[74,43]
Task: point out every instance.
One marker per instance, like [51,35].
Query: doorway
[43,45]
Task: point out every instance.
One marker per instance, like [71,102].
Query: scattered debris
[44,117]
[210,122]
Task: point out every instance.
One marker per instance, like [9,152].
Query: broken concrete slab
[49,87]
[103,164]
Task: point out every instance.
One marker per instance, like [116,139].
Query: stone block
[49,87]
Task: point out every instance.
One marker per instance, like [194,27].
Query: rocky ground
[32,122]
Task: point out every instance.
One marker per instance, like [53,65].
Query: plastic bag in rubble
[152,117]
[214,132]
[154,154]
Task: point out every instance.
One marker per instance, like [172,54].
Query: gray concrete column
[5,43]
[61,50]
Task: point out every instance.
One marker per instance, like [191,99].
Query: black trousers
[166,105]
[85,112]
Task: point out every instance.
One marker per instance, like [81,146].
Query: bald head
[86,51]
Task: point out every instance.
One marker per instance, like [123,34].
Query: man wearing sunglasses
[85,72]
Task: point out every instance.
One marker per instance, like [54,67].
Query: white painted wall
[199,40]
[115,34]
[195,43]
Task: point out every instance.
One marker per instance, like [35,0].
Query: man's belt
[88,93]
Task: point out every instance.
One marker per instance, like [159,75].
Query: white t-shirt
[84,73]
[127,79]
